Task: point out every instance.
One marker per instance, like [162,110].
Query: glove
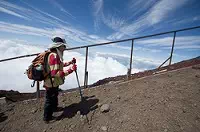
[70,70]
[74,67]
[73,61]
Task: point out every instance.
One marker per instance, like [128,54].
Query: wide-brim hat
[58,42]
[57,45]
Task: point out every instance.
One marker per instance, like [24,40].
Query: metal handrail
[18,57]
[124,40]
[164,62]
[142,37]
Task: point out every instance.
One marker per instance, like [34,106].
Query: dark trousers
[51,103]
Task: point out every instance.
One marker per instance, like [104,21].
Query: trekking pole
[79,85]
[82,101]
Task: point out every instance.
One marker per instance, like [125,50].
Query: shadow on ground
[85,106]
[3,117]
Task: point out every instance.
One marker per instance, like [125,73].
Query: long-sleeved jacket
[55,67]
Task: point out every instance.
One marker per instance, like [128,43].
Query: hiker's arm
[67,63]
[54,63]
[73,61]
[70,70]
[54,66]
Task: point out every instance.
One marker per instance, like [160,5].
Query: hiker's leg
[55,99]
[48,107]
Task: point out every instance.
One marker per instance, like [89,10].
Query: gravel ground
[167,102]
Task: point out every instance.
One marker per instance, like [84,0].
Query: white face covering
[60,54]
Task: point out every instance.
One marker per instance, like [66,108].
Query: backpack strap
[45,67]
[33,84]
[51,79]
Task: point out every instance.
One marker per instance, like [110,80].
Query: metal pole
[172,50]
[86,58]
[164,62]
[38,90]
[86,79]
[129,72]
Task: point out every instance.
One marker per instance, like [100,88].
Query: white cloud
[12,13]
[22,29]
[159,12]
[162,9]
[43,16]
[135,48]
[12,6]
[186,42]
[112,54]
[139,63]
[105,67]
[94,36]
[113,21]
[31,13]
[56,4]
[183,57]
[68,32]
[97,7]
[134,5]
[12,72]
[151,45]
[185,20]
[167,41]
[12,48]
[186,47]
[60,27]
[196,18]
[152,50]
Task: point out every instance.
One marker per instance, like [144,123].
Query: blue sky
[98,20]
[27,27]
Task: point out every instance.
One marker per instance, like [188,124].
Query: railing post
[85,76]
[172,50]
[86,82]
[38,90]
[131,57]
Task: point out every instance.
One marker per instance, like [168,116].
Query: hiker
[52,83]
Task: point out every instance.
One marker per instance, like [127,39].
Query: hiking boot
[49,119]
[46,121]
[58,109]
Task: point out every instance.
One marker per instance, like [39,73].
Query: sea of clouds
[100,65]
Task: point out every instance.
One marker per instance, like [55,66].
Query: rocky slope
[165,102]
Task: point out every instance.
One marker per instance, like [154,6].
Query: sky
[26,27]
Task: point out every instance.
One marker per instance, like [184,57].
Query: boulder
[3,100]
[105,108]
